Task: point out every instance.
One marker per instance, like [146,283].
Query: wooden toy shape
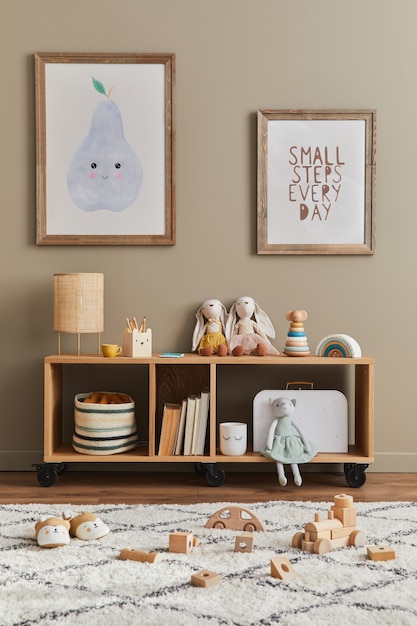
[205,578]
[338,530]
[381,553]
[235,518]
[181,542]
[244,543]
[296,344]
[281,568]
[129,554]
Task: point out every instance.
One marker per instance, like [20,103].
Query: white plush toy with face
[52,532]
[208,336]
[248,329]
[87,526]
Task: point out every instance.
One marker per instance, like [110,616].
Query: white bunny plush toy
[248,329]
[208,336]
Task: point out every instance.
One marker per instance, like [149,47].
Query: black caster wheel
[355,474]
[215,477]
[200,468]
[47,476]
[61,468]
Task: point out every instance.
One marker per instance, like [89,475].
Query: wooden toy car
[338,530]
[235,518]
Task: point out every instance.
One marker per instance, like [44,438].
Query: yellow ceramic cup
[111,349]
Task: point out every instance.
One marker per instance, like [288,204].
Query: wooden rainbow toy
[338,346]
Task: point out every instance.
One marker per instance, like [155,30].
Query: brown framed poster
[316,182]
[105,140]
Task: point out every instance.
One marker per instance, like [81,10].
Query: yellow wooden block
[281,568]
[205,578]
[181,542]
[381,553]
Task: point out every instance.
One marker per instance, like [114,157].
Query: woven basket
[102,429]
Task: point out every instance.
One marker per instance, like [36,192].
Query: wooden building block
[181,542]
[323,534]
[342,532]
[340,542]
[128,554]
[343,500]
[307,546]
[281,568]
[322,525]
[205,578]
[381,553]
[244,543]
[347,515]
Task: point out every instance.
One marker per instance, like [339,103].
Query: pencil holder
[137,344]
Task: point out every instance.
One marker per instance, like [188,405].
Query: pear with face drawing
[104,172]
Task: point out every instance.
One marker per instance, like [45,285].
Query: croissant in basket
[101,397]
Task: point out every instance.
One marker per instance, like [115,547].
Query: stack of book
[184,426]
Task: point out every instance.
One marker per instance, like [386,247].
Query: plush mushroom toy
[248,329]
[208,336]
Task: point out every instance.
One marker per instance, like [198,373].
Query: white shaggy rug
[86,582]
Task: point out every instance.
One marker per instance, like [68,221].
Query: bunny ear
[198,329]
[264,322]
[231,322]
[223,316]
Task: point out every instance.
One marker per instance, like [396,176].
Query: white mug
[233,438]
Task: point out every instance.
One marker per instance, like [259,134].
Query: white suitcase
[321,414]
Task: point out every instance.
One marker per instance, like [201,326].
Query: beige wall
[233,58]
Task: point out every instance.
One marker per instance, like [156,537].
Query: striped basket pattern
[102,429]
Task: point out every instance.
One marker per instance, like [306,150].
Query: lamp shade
[79,303]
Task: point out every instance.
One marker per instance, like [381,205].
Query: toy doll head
[296,316]
[282,407]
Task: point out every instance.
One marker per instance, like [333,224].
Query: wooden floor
[93,487]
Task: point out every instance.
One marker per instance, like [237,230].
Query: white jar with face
[233,438]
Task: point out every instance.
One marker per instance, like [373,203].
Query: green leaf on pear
[99,86]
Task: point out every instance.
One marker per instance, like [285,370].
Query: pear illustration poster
[105,147]
[316,179]
[104,173]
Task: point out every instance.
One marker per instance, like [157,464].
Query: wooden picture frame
[105,148]
[316,182]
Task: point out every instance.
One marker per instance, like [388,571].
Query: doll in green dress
[283,445]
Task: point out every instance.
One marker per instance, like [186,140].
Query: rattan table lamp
[78,305]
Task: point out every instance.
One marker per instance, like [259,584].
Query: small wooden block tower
[296,344]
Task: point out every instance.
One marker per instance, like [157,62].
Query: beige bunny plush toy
[208,336]
[248,329]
